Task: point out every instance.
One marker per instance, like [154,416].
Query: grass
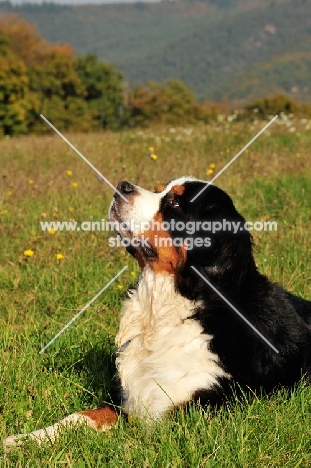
[40,294]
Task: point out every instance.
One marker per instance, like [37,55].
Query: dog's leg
[99,419]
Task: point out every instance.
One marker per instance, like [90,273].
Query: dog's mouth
[128,220]
[114,215]
[124,229]
[119,224]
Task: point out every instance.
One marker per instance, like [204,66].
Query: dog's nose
[125,188]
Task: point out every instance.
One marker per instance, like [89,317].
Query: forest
[228,50]
[84,93]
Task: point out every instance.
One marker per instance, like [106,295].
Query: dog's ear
[222,250]
[227,263]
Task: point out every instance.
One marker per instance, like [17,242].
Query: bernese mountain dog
[179,340]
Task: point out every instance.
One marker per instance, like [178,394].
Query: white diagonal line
[236,310]
[83,157]
[235,157]
[82,310]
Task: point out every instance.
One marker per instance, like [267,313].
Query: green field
[40,294]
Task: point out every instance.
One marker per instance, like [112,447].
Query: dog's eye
[174,203]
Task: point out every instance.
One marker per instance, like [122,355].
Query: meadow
[47,277]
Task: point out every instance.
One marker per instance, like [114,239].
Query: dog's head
[169,232]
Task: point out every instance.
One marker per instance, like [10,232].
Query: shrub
[165,103]
[269,106]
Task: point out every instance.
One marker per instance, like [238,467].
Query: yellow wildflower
[154,157]
[59,256]
[30,181]
[4,212]
[9,192]
[28,253]
[69,173]
[70,208]
[212,165]
[120,286]
[151,149]
[75,184]
[51,231]
[209,171]
[133,273]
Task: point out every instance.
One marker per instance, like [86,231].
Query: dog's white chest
[163,357]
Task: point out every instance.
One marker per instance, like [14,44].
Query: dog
[180,338]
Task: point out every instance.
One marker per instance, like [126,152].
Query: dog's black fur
[228,263]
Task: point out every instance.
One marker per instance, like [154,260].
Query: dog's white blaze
[163,356]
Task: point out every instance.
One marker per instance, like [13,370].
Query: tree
[42,79]
[58,93]
[5,44]
[25,41]
[104,90]
[13,95]
[13,90]
[170,102]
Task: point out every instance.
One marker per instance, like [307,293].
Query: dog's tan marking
[101,417]
[178,189]
[160,188]
[168,256]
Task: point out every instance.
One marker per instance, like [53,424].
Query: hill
[289,72]
[221,49]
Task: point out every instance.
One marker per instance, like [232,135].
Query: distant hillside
[289,72]
[221,49]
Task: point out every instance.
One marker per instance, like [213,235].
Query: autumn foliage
[78,93]
[37,77]
[84,94]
